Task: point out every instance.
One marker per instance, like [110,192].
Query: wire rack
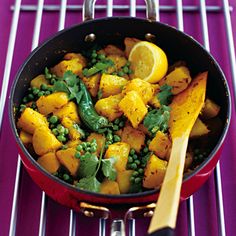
[72,225]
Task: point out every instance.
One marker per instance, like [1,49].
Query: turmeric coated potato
[109,187]
[49,162]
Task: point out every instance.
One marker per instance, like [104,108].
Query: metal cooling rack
[63,8]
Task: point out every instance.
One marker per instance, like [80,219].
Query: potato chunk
[25,137]
[135,138]
[123,180]
[38,81]
[129,43]
[74,133]
[199,129]
[69,110]
[142,87]
[114,50]
[73,62]
[44,141]
[160,144]
[133,107]
[111,85]
[109,107]
[120,151]
[118,61]
[67,159]
[109,187]
[210,109]
[179,79]
[52,102]
[49,162]
[92,84]
[30,120]
[154,172]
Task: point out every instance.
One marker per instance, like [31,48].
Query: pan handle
[151,13]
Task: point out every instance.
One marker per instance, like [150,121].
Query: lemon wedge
[148,62]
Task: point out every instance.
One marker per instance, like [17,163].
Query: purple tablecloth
[57,216]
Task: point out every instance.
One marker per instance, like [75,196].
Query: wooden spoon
[185,109]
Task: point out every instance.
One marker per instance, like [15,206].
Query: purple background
[58,216]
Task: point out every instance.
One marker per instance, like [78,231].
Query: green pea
[88,149]
[83,145]
[53,119]
[52,81]
[143,165]
[130,71]
[132,152]
[64,147]
[40,94]
[94,141]
[79,148]
[127,63]
[109,136]
[101,56]
[115,127]
[148,141]
[77,155]
[94,55]
[125,69]
[120,73]
[130,159]
[135,157]
[47,92]
[117,138]
[93,149]
[140,171]
[132,179]
[135,173]
[94,61]
[66,131]
[137,180]
[133,166]
[22,107]
[61,129]
[55,132]
[121,124]
[109,142]
[61,138]
[137,162]
[25,100]
[66,177]
[145,149]
[35,91]
[43,87]
[117,121]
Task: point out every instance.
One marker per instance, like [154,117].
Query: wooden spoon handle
[168,202]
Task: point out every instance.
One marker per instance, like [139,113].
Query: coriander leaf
[60,86]
[90,184]
[165,95]
[70,78]
[99,94]
[88,166]
[108,168]
[157,119]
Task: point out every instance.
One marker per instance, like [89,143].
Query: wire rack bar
[62,16]
[102,227]
[219,195]
[231,48]
[180,18]
[164,8]
[109,8]
[8,64]
[132,11]
[131,227]
[43,215]
[72,226]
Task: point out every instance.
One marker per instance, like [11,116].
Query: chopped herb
[157,119]
[165,95]
[108,168]
[69,84]
[89,183]
[88,166]
[99,94]
[76,126]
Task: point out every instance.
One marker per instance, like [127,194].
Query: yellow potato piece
[49,162]
[133,107]
[123,180]
[38,81]
[74,134]
[30,120]
[210,109]
[100,139]
[109,187]
[199,129]
[52,102]
[67,158]
[109,107]
[25,137]
[44,141]
[92,84]
[154,172]
[120,151]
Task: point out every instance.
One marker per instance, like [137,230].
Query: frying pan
[177,45]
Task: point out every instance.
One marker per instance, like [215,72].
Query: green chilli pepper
[88,114]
